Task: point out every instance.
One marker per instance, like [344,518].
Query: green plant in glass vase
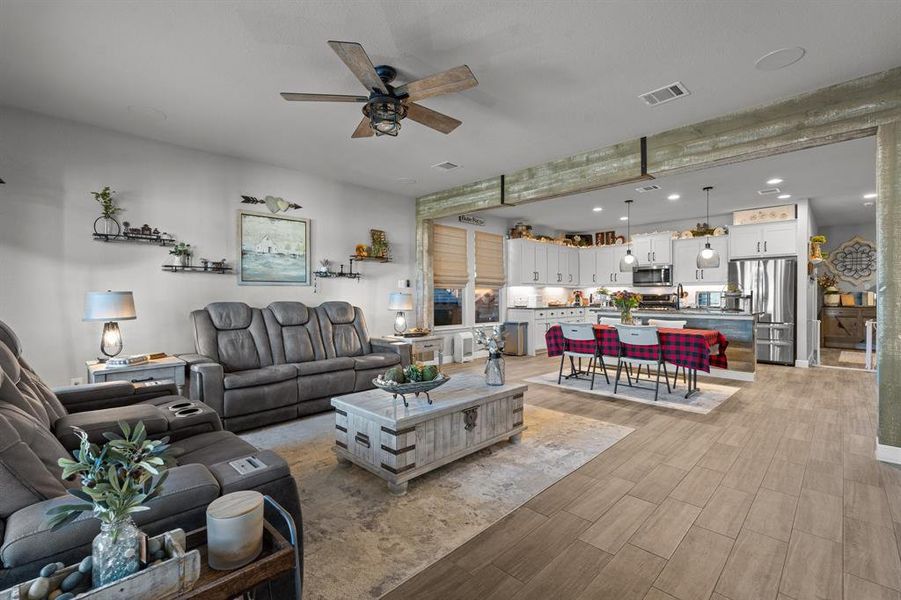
[117,479]
[183,253]
[626,302]
[106,223]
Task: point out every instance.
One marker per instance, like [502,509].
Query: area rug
[361,542]
[854,356]
[708,398]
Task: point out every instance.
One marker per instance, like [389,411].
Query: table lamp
[400,302]
[110,307]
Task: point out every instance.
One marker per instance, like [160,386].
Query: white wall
[48,259]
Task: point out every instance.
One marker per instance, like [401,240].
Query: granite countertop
[700,312]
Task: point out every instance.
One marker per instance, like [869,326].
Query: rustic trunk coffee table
[398,443]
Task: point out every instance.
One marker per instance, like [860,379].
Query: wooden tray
[164,581]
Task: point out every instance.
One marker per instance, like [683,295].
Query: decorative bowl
[413,387]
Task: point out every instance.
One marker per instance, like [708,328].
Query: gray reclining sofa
[35,431]
[259,366]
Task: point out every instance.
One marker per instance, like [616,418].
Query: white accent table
[398,443]
[168,368]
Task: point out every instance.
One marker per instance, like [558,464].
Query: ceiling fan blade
[431,118]
[453,80]
[294,97]
[358,61]
[363,129]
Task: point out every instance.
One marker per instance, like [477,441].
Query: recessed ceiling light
[869,196]
[784,196]
[673,197]
[774,181]
[869,203]
[779,59]
[624,218]
[597,209]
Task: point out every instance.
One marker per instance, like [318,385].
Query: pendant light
[708,258]
[628,261]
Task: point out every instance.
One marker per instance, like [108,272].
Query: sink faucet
[679,293]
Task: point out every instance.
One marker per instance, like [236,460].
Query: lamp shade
[400,301]
[109,306]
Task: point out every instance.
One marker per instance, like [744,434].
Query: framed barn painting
[275,249]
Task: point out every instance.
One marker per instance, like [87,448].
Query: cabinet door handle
[696,274]
[362,439]
[702,273]
[593,280]
[616,277]
[758,246]
[142,380]
[655,255]
[764,245]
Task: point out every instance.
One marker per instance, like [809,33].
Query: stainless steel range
[658,302]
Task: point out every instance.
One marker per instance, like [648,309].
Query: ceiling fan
[387,105]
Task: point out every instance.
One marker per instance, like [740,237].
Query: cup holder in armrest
[187,412]
[181,406]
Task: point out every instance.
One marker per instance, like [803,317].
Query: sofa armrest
[96,422]
[28,539]
[401,348]
[195,359]
[111,394]
[207,385]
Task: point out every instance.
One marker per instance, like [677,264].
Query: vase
[816,252]
[494,370]
[184,260]
[107,226]
[625,316]
[831,299]
[115,551]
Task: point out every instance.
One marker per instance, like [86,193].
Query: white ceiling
[834,178]
[555,77]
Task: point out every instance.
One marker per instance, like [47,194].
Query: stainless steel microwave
[657,276]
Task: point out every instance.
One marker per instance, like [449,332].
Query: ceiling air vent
[769,191]
[665,94]
[446,165]
[647,188]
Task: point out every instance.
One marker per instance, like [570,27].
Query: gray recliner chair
[35,432]
[260,366]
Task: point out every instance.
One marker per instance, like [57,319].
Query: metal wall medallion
[854,262]
[470,415]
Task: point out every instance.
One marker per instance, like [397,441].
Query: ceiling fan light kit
[386,106]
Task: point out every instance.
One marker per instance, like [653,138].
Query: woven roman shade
[449,257]
[489,260]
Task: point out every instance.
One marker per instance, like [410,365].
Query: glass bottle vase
[625,316]
[115,551]
[494,370]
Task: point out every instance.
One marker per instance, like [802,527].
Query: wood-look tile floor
[775,495]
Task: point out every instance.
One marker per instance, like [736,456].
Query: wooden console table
[845,326]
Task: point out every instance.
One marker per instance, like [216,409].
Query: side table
[168,368]
[421,344]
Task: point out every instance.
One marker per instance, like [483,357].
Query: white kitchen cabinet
[685,261]
[541,319]
[573,270]
[537,263]
[552,275]
[588,274]
[617,278]
[653,249]
[522,266]
[779,238]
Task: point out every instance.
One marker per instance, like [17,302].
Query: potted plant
[816,251]
[626,302]
[183,253]
[117,480]
[831,294]
[106,223]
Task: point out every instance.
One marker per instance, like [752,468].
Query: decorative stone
[71,581]
[55,594]
[158,555]
[52,568]
[40,587]
[86,564]
[154,545]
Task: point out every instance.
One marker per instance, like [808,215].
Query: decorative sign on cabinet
[765,239]
[685,261]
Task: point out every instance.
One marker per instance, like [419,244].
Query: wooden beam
[471,197]
[888,288]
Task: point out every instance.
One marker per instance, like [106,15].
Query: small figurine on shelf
[183,253]
[205,263]
[380,246]
[218,265]
[323,269]
[106,223]
[362,250]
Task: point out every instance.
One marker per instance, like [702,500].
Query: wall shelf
[380,259]
[197,269]
[158,240]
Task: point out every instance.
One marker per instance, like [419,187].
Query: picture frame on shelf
[273,249]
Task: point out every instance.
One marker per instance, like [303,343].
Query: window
[450,273]
[447,304]
[488,306]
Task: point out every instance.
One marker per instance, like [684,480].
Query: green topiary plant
[108,206]
[117,479]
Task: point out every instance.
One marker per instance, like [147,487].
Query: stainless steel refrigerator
[773,284]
